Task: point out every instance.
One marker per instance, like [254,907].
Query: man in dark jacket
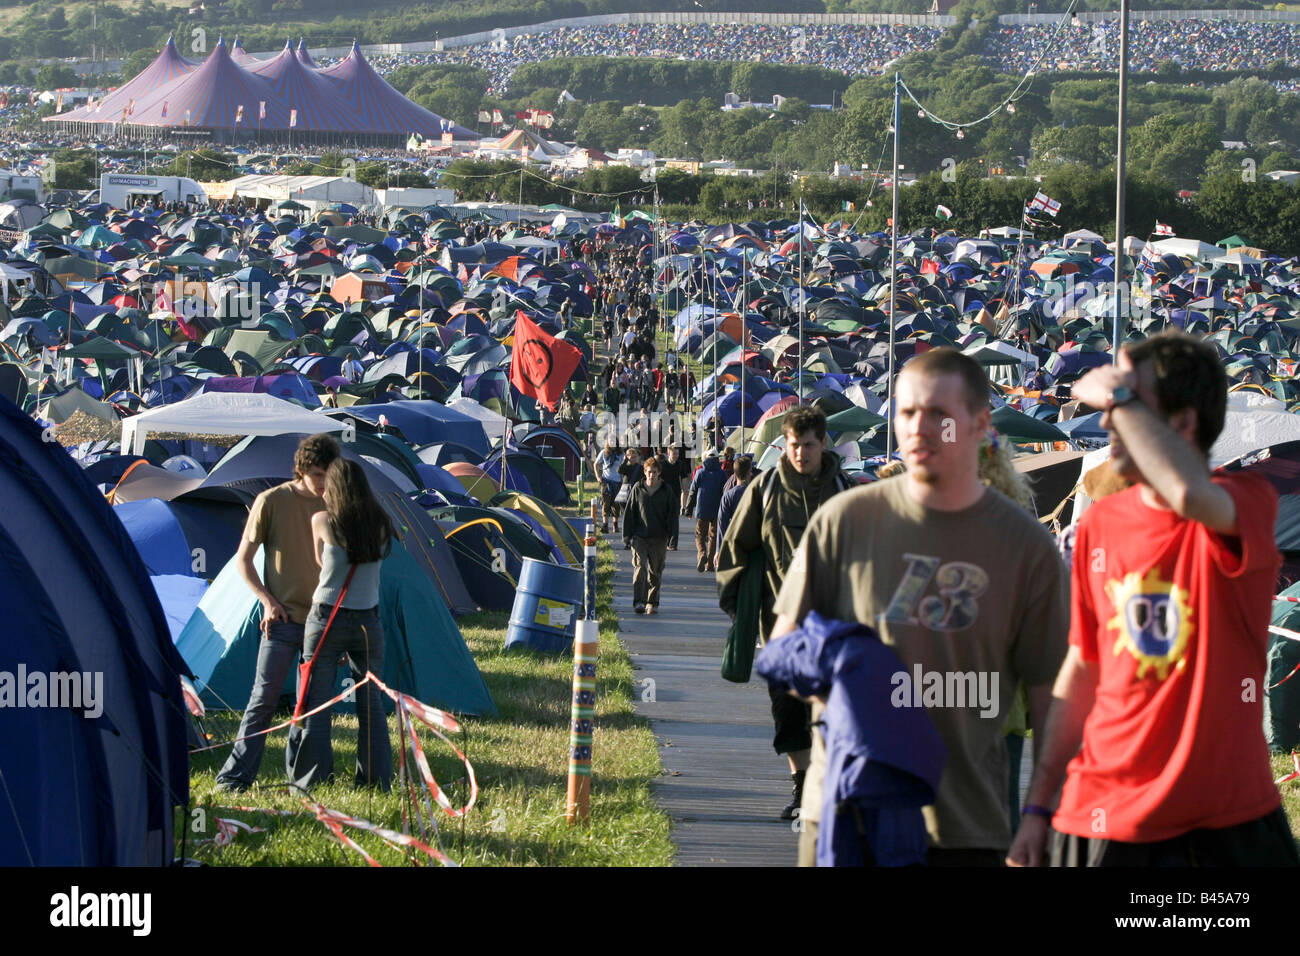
[650,519]
[675,470]
[769,521]
[735,487]
[705,497]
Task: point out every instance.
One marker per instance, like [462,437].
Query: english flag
[1163,229]
[1046,203]
[239,114]
[484,116]
[541,365]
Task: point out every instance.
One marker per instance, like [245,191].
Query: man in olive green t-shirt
[964,586]
[280,523]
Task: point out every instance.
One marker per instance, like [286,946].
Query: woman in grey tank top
[353,532]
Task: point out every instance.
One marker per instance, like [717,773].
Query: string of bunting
[1007,103]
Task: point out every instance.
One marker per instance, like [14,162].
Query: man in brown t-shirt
[963,585]
[280,523]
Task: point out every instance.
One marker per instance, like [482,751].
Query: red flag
[541,365]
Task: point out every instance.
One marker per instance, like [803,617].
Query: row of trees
[1266,212]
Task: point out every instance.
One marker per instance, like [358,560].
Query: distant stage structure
[232,97]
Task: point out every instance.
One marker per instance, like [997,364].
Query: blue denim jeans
[309,757]
[277,653]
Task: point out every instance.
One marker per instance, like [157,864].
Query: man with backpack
[767,526]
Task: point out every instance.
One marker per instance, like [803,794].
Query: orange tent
[476,481]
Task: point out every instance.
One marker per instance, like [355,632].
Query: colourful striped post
[585,654]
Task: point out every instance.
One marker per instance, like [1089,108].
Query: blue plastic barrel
[547,605]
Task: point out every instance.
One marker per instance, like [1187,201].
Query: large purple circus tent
[159,74]
[382,108]
[232,96]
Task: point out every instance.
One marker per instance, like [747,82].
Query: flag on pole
[1163,229]
[58,104]
[130,107]
[293,118]
[484,116]
[239,114]
[942,212]
[164,109]
[616,217]
[540,364]
[497,118]
[187,117]
[261,109]
[847,206]
[1045,203]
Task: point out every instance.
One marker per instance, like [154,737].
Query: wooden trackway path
[723,786]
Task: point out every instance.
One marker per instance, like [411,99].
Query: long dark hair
[357,521]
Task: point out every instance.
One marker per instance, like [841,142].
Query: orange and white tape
[1294,774]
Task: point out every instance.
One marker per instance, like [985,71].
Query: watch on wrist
[1121,396]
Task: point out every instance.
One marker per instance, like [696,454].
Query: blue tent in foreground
[82,785]
[424,653]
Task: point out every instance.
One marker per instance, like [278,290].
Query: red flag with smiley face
[541,365]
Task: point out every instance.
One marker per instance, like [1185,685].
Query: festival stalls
[93,783]
[225,413]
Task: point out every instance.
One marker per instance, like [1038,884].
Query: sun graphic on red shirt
[1154,621]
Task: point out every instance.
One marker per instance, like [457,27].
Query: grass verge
[520,759]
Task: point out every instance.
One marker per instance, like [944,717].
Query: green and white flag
[942,212]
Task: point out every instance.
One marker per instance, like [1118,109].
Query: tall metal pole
[744,307]
[803,302]
[1120,311]
[893,277]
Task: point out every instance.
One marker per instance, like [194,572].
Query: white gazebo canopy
[226,413]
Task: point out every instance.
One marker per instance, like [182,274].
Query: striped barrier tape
[1294,774]
[433,718]
[293,720]
[407,706]
[335,822]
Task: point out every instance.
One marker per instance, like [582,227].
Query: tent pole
[744,329]
[803,302]
[1120,312]
[893,279]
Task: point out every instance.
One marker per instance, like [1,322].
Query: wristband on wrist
[1037,810]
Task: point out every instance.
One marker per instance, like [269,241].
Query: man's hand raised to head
[1095,388]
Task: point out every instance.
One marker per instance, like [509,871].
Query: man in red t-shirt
[1158,708]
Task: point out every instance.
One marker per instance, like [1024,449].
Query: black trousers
[1265,841]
